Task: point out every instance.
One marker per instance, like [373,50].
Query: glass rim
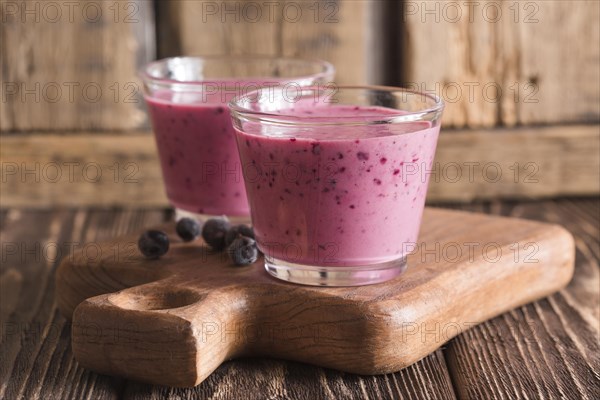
[434,111]
[327,69]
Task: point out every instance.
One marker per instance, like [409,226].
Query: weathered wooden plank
[102,167]
[478,291]
[268,379]
[41,365]
[35,352]
[72,64]
[505,62]
[521,163]
[548,349]
[42,170]
[343,33]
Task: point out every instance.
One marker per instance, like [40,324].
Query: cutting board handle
[183,328]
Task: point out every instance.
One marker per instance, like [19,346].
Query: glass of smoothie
[187,101]
[336,178]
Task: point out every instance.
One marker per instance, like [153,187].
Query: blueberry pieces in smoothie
[361,155]
[334,182]
[316,148]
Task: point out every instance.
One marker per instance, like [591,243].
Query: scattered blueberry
[236,231]
[243,251]
[188,229]
[214,231]
[153,244]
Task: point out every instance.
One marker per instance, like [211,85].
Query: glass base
[335,276]
[235,219]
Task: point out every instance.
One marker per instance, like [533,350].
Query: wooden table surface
[548,349]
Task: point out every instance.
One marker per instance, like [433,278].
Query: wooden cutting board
[173,321]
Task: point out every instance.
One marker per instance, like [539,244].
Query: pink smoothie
[337,195]
[198,154]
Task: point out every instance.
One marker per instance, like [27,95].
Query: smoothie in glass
[187,101]
[198,155]
[337,191]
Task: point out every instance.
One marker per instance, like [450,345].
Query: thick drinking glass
[336,178]
[187,100]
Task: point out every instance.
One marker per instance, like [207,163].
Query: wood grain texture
[549,349]
[259,379]
[466,51]
[35,352]
[41,170]
[189,311]
[343,33]
[22,350]
[270,379]
[72,65]
[104,167]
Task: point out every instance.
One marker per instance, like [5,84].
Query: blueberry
[236,231]
[153,244]
[243,251]
[214,231]
[188,229]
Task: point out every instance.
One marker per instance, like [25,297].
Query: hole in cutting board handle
[155,298]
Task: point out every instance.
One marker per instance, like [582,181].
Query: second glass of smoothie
[336,179]
[187,100]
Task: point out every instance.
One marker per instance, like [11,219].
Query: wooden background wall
[521,80]
[524,62]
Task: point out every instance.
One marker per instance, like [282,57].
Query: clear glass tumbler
[336,178]
[187,101]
